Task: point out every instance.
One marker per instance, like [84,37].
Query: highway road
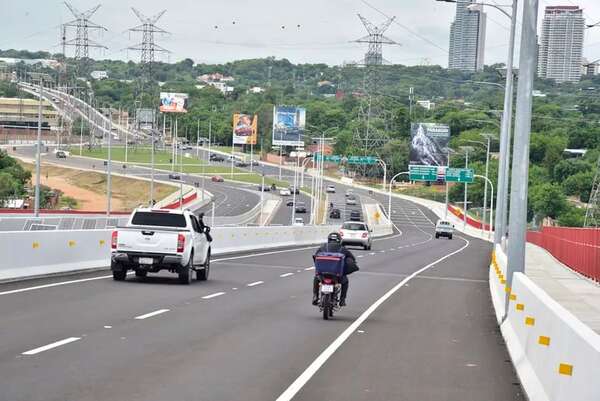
[419,326]
[229,199]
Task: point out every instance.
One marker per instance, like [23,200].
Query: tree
[572,217]
[547,200]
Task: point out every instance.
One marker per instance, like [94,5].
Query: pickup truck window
[158,219]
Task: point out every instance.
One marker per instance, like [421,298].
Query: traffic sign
[462,175]
[422,173]
[362,160]
[328,158]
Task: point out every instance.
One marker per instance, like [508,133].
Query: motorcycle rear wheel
[326,302]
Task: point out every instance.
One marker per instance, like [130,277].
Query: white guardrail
[36,253]
[556,356]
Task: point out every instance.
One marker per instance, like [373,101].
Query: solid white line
[297,385]
[286,274]
[255,283]
[37,287]
[50,346]
[216,294]
[147,315]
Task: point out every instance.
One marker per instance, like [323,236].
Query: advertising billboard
[173,102]
[428,145]
[245,129]
[288,125]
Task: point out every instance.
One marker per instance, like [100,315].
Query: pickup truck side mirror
[206,229]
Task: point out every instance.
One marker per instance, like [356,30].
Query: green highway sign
[423,173]
[462,175]
[328,158]
[362,160]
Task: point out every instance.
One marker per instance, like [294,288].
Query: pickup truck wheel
[450,236]
[185,274]
[202,275]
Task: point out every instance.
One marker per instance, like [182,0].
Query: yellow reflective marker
[565,369]
[520,307]
[102,242]
[512,297]
[543,340]
[529,321]
[502,281]
[71,243]
[507,289]
[35,245]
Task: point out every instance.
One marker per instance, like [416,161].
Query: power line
[81,42]
[147,46]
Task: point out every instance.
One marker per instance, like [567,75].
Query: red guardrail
[53,211]
[470,221]
[186,200]
[578,248]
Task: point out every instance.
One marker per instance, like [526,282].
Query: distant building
[467,37]
[48,63]
[588,68]
[256,89]
[537,93]
[561,46]
[426,104]
[215,77]
[99,75]
[222,86]
[24,113]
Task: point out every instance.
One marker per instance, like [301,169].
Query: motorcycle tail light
[327,281]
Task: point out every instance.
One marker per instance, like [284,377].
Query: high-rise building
[561,46]
[467,37]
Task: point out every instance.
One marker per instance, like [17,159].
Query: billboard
[245,129]
[429,143]
[288,125]
[173,102]
[145,118]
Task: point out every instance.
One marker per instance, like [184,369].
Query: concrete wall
[33,253]
[556,356]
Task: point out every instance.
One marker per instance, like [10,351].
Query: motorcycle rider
[334,244]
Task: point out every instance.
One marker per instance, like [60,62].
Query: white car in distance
[298,222]
[285,192]
[356,233]
[330,189]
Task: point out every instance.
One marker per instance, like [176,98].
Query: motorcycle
[329,295]
[329,268]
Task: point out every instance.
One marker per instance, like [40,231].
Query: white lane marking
[255,283]
[50,346]
[147,315]
[286,274]
[360,256]
[372,253]
[37,287]
[310,268]
[297,385]
[234,288]
[216,294]
[108,327]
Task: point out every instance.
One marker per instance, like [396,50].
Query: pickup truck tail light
[113,240]
[365,235]
[341,233]
[180,242]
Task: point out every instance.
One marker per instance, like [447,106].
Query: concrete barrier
[555,355]
[36,253]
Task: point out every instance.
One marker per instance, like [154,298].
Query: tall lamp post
[466,150]
[505,131]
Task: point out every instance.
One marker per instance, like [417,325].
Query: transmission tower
[82,43]
[592,214]
[147,46]
[376,40]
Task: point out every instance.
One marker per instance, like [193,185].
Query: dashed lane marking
[51,346]
[255,283]
[147,315]
[216,294]
[286,274]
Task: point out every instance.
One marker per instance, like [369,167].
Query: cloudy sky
[302,31]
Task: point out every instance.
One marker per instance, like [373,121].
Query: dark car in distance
[335,214]
[300,207]
[216,158]
[355,215]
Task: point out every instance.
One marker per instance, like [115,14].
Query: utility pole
[109,168]
[517,225]
[38,155]
[466,150]
[82,42]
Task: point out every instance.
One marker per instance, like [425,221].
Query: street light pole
[520,164]
[38,156]
[466,149]
[109,168]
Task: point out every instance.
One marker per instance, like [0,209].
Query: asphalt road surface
[250,332]
[229,199]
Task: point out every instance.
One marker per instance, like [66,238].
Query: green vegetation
[567,117]
[13,177]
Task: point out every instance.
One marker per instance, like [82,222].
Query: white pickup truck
[161,239]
